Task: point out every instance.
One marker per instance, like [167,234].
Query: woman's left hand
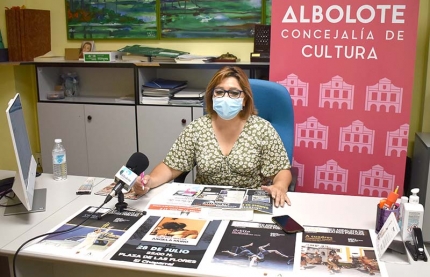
[278,193]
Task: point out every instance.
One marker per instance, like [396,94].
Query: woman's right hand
[141,186]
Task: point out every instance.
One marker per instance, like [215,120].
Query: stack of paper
[158,90]
[188,96]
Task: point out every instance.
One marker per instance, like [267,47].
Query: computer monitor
[32,200]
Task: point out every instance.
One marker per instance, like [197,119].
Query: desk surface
[307,208]
[59,194]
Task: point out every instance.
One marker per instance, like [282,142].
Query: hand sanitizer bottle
[412,214]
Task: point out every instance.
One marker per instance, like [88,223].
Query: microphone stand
[121,205]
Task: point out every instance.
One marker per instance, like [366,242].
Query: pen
[141,178]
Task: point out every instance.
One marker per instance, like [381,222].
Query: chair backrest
[273,102]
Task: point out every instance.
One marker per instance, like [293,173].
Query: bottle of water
[68,84]
[59,161]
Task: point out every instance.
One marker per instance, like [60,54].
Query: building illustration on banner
[299,91]
[397,141]
[356,136]
[300,168]
[311,134]
[331,174]
[384,96]
[337,92]
[376,180]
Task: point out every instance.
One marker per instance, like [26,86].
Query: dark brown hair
[242,78]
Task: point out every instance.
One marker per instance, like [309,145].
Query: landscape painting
[111,19]
[168,19]
[209,18]
[268,12]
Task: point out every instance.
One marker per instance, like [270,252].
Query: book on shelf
[160,83]
[161,91]
[160,100]
[162,59]
[190,94]
[140,58]
[186,102]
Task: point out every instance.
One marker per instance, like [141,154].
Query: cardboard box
[71,54]
[28,33]
[102,56]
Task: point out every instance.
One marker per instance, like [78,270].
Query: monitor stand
[39,204]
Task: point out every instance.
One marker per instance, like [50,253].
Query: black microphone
[137,163]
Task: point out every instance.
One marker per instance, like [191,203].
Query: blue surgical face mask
[226,107]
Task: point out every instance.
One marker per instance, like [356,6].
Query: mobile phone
[86,187]
[288,224]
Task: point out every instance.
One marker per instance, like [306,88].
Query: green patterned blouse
[257,154]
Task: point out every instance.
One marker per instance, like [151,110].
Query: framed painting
[111,19]
[268,12]
[209,18]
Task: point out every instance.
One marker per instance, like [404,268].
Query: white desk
[308,209]
[59,194]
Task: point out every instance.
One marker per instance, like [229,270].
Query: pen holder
[383,214]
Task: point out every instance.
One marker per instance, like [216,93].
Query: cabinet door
[197,112]
[158,127]
[111,138]
[65,121]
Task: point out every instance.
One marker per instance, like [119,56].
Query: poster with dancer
[177,230]
[155,253]
[338,250]
[93,238]
[256,246]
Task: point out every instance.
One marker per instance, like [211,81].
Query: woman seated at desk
[230,145]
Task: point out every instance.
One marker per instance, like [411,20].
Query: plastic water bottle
[68,84]
[59,164]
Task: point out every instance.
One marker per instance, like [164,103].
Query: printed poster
[348,252]
[256,246]
[91,240]
[349,68]
[176,200]
[136,250]
[220,197]
[259,200]
[177,231]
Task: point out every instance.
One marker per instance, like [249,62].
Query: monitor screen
[24,182]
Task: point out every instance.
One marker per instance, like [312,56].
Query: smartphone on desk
[288,224]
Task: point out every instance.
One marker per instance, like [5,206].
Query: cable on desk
[49,234]
[4,194]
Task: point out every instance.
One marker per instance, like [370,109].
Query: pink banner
[349,67]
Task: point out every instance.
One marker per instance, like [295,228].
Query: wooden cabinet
[99,139]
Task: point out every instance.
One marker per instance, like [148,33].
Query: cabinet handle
[183,121]
[89,117]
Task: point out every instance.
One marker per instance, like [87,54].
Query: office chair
[273,103]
